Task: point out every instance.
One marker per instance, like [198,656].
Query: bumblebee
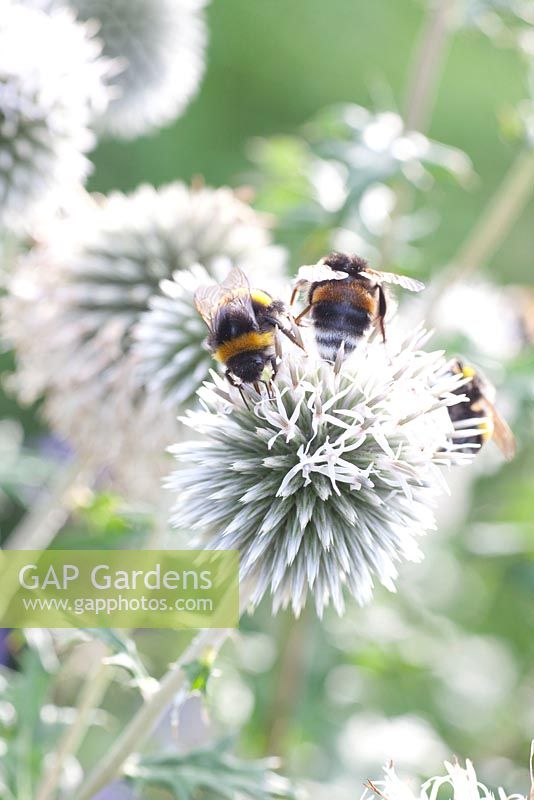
[492,425]
[345,298]
[242,324]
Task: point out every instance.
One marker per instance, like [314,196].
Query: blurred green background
[272,66]
[348,684]
[446,665]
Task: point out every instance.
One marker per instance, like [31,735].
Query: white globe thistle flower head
[461,783]
[74,303]
[170,339]
[159,46]
[327,481]
[51,86]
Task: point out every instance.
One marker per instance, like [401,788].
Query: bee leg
[230,378]
[269,386]
[294,294]
[382,308]
[243,397]
[293,334]
[232,381]
[274,366]
[302,314]
[277,351]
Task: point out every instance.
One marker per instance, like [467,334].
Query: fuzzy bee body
[342,312]
[478,404]
[242,324]
[244,343]
[345,299]
[470,409]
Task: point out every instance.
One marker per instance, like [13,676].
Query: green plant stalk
[498,218]
[140,727]
[424,76]
[292,668]
[91,696]
[92,693]
[493,226]
[39,526]
[427,65]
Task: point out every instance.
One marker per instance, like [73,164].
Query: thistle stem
[498,218]
[142,724]
[294,659]
[40,525]
[91,696]
[493,226]
[424,75]
[93,691]
[427,65]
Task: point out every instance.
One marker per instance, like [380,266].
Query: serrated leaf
[125,654]
[210,773]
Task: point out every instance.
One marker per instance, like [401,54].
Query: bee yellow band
[261,297]
[242,344]
[487,429]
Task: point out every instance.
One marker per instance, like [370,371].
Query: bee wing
[502,434]
[315,273]
[207,302]
[236,282]
[411,284]
[234,290]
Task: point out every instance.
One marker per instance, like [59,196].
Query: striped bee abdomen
[336,323]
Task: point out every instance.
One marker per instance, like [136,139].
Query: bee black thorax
[230,326]
[342,262]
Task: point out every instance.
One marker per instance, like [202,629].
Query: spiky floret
[74,302]
[170,339]
[329,483]
[50,89]
[461,782]
[159,46]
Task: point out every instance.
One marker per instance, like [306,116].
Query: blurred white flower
[411,739]
[477,674]
[232,700]
[74,303]
[461,782]
[506,21]
[158,46]
[328,483]
[483,313]
[375,147]
[50,88]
